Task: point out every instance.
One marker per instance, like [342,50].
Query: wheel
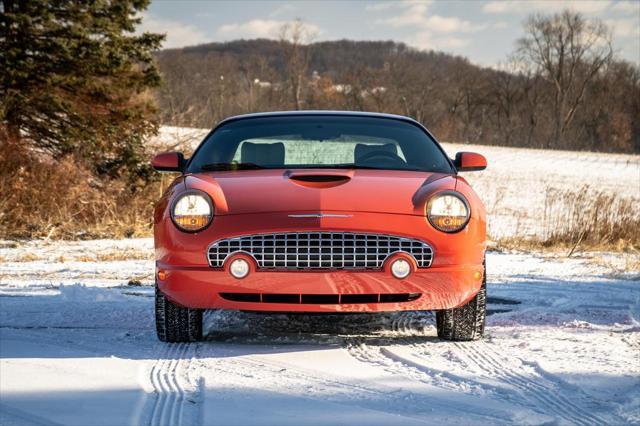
[175,323]
[466,322]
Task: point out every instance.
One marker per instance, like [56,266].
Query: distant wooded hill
[457,100]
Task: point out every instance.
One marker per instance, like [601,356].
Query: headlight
[448,211]
[192,211]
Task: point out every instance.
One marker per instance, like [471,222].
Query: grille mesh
[320,250]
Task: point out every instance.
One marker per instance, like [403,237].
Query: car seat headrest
[363,149]
[263,154]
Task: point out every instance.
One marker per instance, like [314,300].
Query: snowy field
[517,184]
[78,346]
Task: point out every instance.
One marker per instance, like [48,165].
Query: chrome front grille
[320,250]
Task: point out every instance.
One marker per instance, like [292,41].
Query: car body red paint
[283,200]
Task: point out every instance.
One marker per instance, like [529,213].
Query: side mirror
[169,162]
[469,162]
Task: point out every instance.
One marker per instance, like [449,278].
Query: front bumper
[439,288]
[453,278]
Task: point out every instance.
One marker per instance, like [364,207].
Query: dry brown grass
[43,198]
[125,255]
[592,218]
[557,247]
[630,264]
[584,219]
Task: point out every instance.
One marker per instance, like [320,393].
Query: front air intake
[321,299]
[320,178]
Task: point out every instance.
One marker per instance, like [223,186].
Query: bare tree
[295,38]
[568,51]
[515,105]
[504,95]
[533,102]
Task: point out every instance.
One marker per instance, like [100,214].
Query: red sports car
[320,212]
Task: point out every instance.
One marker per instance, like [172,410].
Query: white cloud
[415,14]
[627,6]
[178,33]
[624,27]
[426,40]
[496,7]
[378,6]
[431,31]
[282,10]
[266,28]
[452,24]
[259,28]
[528,6]
[412,13]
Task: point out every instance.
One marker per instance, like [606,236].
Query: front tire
[466,322]
[175,323]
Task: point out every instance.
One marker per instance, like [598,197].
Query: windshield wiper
[356,166]
[351,166]
[212,167]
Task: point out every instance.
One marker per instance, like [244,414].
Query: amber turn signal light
[192,211]
[192,223]
[448,211]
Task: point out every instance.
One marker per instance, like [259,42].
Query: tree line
[81,91]
[562,87]
[77,80]
[76,111]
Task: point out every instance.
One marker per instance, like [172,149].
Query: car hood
[320,191]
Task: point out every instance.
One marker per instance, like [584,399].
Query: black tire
[175,323]
[466,322]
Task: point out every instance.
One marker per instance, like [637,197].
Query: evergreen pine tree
[75,80]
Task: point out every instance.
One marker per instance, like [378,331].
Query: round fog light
[400,268]
[239,268]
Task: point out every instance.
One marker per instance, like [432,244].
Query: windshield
[319,141]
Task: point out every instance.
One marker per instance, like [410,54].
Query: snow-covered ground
[517,185]
[78,346]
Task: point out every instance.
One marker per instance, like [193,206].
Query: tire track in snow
[547,395]
[409,323]
[381,357]
[383,398]
[308,385]
[443,378]
[176,398]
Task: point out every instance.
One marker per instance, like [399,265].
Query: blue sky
[483,31]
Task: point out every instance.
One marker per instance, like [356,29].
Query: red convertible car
[320,211]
